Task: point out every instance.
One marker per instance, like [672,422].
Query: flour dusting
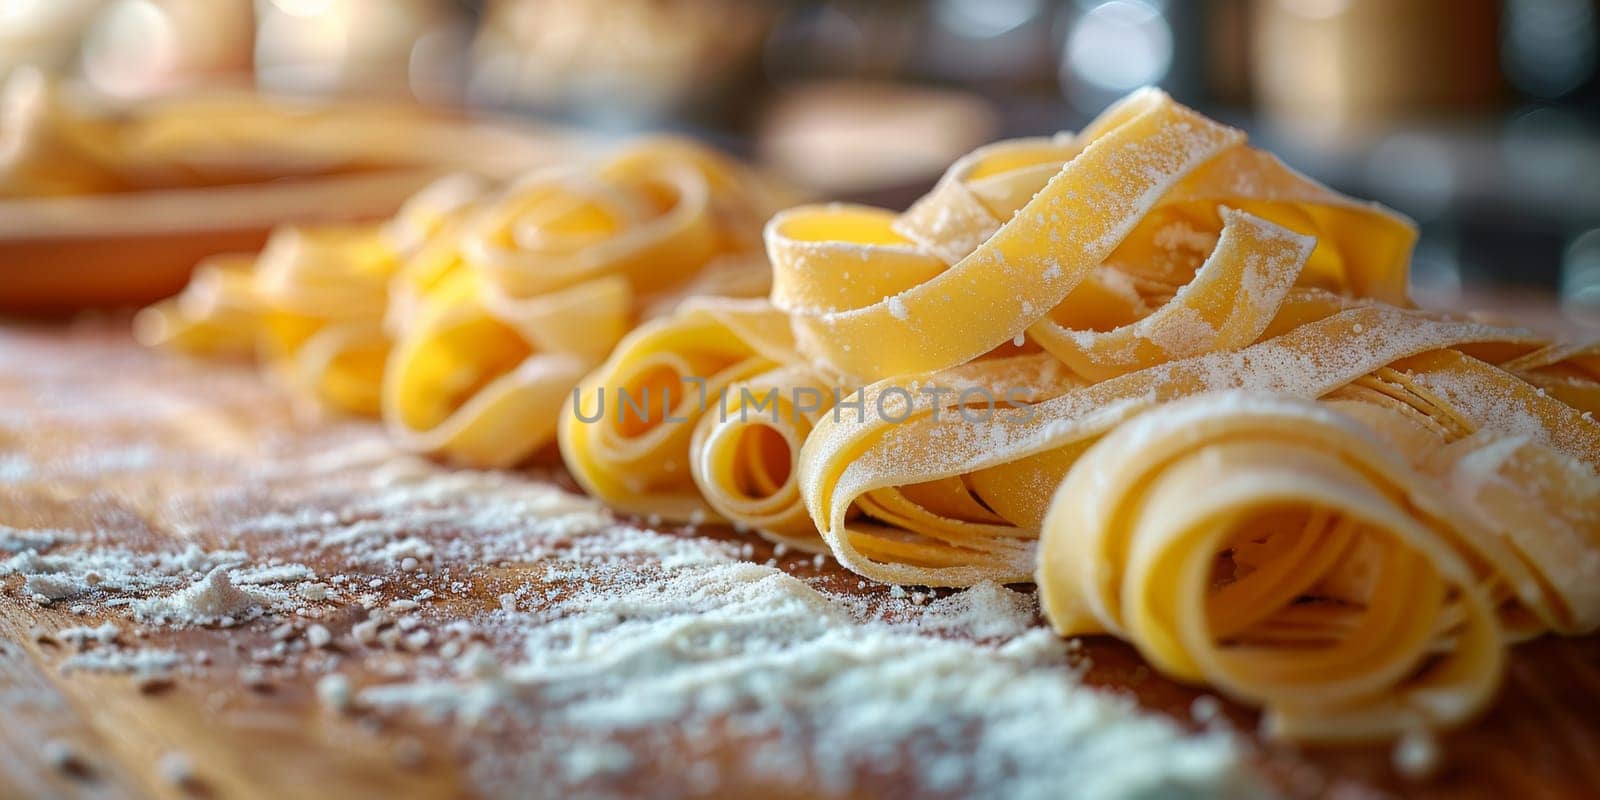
[545,645]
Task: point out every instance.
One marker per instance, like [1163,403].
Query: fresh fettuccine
[557,268]
[1174,382]
[626,436]
[1355,601]
[465,321]
[313,301]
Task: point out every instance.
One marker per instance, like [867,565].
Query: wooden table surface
[96,434]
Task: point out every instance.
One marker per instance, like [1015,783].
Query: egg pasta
[1225,434]
[466,320]
[1148,367]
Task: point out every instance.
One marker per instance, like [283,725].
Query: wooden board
[96,434]
[63,254]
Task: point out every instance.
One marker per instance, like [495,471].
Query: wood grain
[214,444]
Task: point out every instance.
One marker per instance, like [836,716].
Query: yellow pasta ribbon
[466,319]
[45,149]
[546,278]
[743,449]
[55,142]
[626,433]
[313,302]
[1147,366]
[1069,239]
[1208,364]
[1035,446]
[1022,270]
[1356,611]
[216,315]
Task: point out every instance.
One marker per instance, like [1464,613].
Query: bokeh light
[1580,277]
[1114,47]
[1550,46]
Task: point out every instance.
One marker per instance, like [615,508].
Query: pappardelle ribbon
[466,320]
[1174,382]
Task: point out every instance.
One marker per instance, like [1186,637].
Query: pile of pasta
[58,140]
[1147,366]
[1175,383]
[466,320]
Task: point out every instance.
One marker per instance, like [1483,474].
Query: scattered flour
[46,586]
[177,770]
[625,654]
[49,574]
[1181,235]
[333,691]
[104,634]
[985,611]
[138,662]
[62,756]
[200,587]
[1416,755]
[17,539]
[820,692]
[897,307]
[213,599]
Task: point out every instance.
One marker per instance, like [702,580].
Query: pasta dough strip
[1130,540]
[843,460]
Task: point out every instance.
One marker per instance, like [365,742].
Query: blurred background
[1478,118]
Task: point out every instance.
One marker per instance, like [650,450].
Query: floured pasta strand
[743,450]
[325,294]
[313,302]
[874,329]
[1500,478]
[1085,242]
[545,279]
[735,453]
[1228,304]
[430,238]
[1016,458]
[1352,603]
[692,418]
[465,320]
[316,272]
[216,315]
[948,524]
[1316,514]
[322,292]
[626,433]
[479,385]
[1478,396]
[1363,249]
[1570,372]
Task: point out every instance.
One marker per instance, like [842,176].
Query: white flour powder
[563,652]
